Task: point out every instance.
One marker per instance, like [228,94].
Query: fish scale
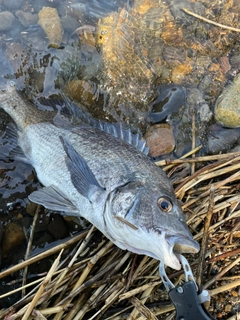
[96,173]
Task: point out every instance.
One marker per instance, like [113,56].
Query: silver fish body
[90,173]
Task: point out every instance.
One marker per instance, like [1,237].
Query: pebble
[235,61]
[228,308]
[6,20]
[81,90]
[160,139]
[26,18]
[50,22]
[69,24]
[38,4]
[57,227]
[179,72]
[13,236]
[53,3]
[78,11]
[221,139]
[169,99]
[227,107]
[13,4]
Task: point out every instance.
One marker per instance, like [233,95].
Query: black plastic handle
[186,302]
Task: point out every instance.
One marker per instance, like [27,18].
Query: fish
[101,172]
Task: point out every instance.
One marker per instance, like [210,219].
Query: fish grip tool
[187,297]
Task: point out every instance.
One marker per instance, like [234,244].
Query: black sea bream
[103,177]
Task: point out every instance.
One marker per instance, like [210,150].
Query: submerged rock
[227,107]
[170,98]
[6,20]
[221,139]
[50,22]
[13,236]
[160,139]
[26,18]
[147,43]
[13,4]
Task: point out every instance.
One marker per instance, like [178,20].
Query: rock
[235,61]
[77,11]
[221,139]
[160,139]
[57,227]
[82,91]
[53,3]
[86,33]
[13,236]
[13,4]
[31,208]
[180,71]
[26,18]
[6,20]
[69,24]
[227,107]
[37,5]
[228,308]
[204,113]
[35,38]
[170,98]
[50,22]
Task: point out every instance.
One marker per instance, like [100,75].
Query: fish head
[147,220]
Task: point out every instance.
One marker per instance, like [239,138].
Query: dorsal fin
[119,131]
[115,129]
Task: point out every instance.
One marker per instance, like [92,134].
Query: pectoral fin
[82,177]
[52,199]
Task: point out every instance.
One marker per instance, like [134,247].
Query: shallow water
[40,70]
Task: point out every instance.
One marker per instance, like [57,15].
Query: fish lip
[183,244]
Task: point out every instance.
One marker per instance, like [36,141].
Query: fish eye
[165,204]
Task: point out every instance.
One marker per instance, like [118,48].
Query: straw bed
[108,283]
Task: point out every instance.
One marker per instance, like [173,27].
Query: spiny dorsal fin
[115,129]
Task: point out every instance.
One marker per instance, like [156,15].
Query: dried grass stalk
[108,283]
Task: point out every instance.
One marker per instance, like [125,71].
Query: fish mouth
[183,244]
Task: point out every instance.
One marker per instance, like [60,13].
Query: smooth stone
[26,18]
[170,97]
[13,4]
[160,139]
[57,227]
[69,24]
[6,20]
[53,3]
[82,91]
[13,236]
[50,22]
[39,4]
[78,11]
[221,139]
[227,107]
